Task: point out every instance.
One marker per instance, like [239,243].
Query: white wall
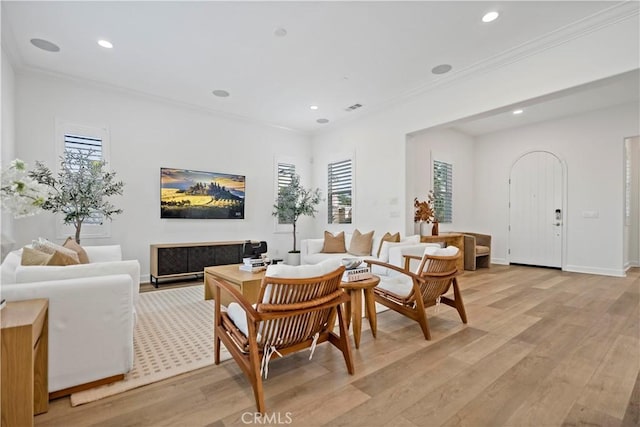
[147,134]
[632,224]
[591,146]
[378,138]
[452,147]
[7,133]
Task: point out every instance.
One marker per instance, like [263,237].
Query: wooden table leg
[347,311]
[356,315]
[371,310]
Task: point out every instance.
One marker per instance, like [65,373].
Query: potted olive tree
[80,190]
[293,202]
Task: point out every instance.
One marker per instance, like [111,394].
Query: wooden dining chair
[410,293]
[297,310]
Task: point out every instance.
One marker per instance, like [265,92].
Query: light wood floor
[542,348]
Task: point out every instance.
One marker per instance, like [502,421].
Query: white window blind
[443,191]
[88,145]
[340,192]
[285,172]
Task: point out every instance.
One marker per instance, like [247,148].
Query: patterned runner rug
[173,335]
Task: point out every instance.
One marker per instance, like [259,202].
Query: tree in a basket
[295,201]
[80,190]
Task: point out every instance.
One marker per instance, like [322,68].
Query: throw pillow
[61,259]
[34,257]
[361,243]
[71,243]
[49,247]
[388,237]
[334,244]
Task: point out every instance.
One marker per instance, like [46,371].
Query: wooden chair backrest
[294,310]
[436,274]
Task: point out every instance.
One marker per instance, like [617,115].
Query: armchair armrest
[393,267]
[236,296]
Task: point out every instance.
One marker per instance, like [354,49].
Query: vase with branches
[80,190]
[295,201]
[425,212]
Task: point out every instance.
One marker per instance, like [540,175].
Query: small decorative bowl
[350,263]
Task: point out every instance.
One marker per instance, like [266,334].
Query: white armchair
[91,314]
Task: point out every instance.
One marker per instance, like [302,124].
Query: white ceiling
[616,90]
[335,53]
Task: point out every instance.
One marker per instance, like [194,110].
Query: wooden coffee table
[353,309]
[248,284]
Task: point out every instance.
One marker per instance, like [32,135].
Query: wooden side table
[449,239]
[353,309]
[25,346]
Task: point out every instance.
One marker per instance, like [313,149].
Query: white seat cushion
[399,285]
[239,317]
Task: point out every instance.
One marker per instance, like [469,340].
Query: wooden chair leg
[256,377]
[421,317]
[216,349]
[345,346]
[458,301]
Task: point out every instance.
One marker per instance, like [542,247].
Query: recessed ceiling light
[491,16]
[322,121]
[105,44]
[441,69]
[516,112]
[45,45]
[280,32]
[314,107]
[221,93]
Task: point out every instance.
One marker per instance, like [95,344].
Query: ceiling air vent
[353,107]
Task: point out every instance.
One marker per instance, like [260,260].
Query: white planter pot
[293,258]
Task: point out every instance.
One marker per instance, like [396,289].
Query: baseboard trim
[501,261]
[595,270]
[86,386]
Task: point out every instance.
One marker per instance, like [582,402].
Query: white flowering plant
[20,194]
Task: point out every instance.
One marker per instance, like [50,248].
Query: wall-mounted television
[201,195]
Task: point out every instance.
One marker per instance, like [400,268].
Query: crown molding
[39,72]
[613,15]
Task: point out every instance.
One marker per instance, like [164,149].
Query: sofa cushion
[34,257]
[482,250]
[334,244]
[319,257]
[386,246]
[314,246]
[106,253]
[49,247]
[387,237]
[361,243]
[70,243]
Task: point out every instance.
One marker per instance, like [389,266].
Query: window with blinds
[340,192]
[443,191]
[285,172]
[91,146]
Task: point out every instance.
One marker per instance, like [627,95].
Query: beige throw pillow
[334,244]
[388,237]
[70,243]
[61,259]
[45,245]
[34,257]
[361,243]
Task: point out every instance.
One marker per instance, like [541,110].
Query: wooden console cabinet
[174,260]
[25,347]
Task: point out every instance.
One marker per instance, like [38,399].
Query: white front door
[535,210]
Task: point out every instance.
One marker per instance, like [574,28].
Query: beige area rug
[173,335]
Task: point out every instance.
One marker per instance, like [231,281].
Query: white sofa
[392,253]
[91,312]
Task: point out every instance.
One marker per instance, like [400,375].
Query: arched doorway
[536,210]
